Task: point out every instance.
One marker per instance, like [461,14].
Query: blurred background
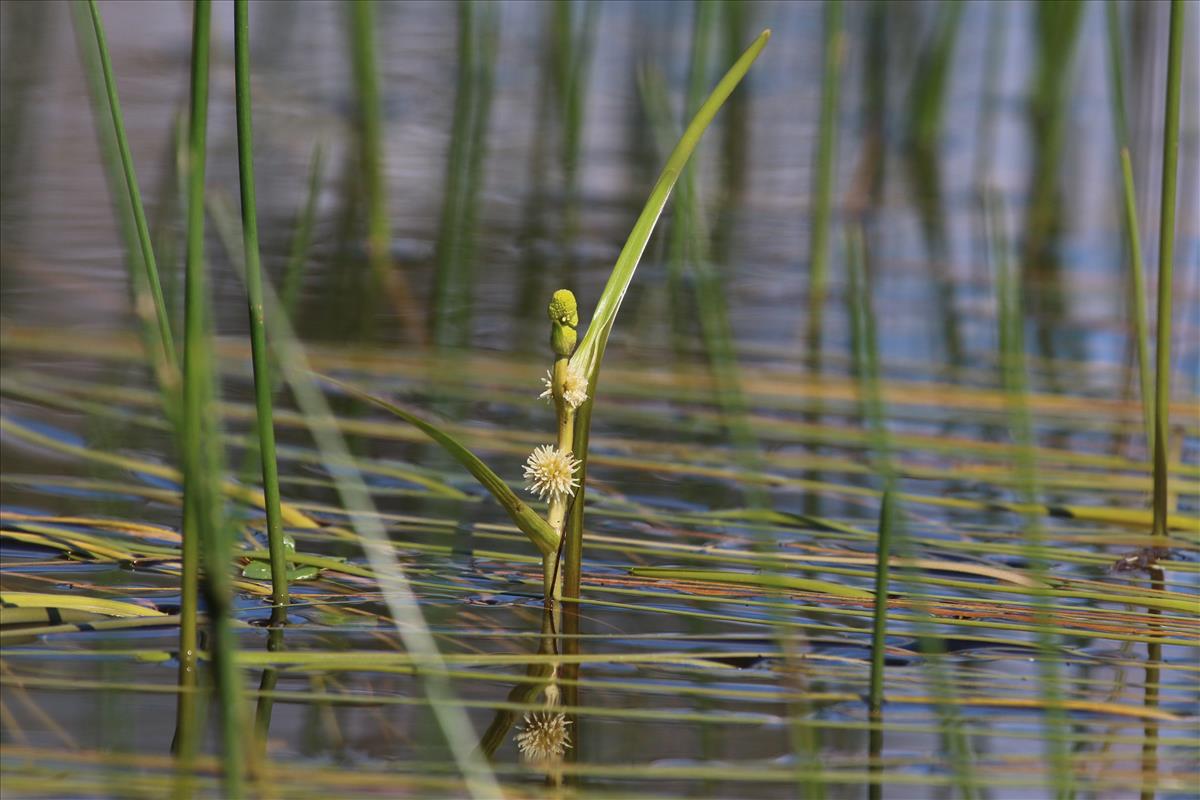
[520,139]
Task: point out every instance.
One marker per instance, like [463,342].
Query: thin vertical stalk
[865,347]
[1137,281]
[362,15]
[883,552]
[866,360]
[825,169]
[294,272]
[478,37]
[1137,269]
[141,301]
[260,356]
[289,293]
[200,441]
[1166,270]
[135,195]
[571,61]
[1016,389]
[1150,698]
[370,111]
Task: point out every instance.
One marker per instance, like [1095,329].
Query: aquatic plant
[558,473]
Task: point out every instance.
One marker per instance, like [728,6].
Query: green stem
[1137,278]
[883,553]
[135,195]
[379,233]
[260,356]
[1015,382]
[825,174]
[1166,269]
[1137,300]
[200,442]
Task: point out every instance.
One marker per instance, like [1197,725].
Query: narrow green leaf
[590,352]
[537,529]
[96,605]
[591,348]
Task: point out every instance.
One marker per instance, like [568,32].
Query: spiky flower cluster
[544,736]
[575,387]
[551,473]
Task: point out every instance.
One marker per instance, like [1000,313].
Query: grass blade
[591,348]
[258,323]
[135,195]
[1166,268]
[203,506]
[537,529]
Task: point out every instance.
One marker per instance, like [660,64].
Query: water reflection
[545,736]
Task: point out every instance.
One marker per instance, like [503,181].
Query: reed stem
[260,355]
[200,442]
[1137,269]
[883,552]
[1137,281]
[1166,270]
[825,169]
[135,196]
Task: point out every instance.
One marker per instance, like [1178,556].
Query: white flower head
[544,736]
[551,472]
[575,387]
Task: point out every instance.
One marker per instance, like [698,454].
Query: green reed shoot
[1013,373]
[379,234]
[866,364]
[865,352]
[928,96]
[293,277]
[302,238]
[201,444]
[1166,271]
[572,44]
[165,342]
[478,38]
[164,354]
[141,301]
[370,134]
[826,173]
[883,554]
[1137,281]
[260,357]
[1137,269]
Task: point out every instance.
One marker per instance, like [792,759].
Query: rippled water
[669,485]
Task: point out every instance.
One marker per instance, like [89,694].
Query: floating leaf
[96,605]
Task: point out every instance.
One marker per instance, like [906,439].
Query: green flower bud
[562,340]
[563,309]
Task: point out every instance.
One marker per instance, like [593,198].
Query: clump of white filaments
[575,387]
[544,736]
[551,473]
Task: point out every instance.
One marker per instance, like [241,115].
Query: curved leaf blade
[544,537]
